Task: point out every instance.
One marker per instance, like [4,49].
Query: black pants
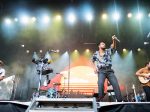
[147,92]
[109,74]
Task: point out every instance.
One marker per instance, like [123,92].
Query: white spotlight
[75,50]
[129,15]
[87,50]
[139,16]
[89,17]
[46,19]
[41,51]
[139,49]
[124,50]
[149,15]
[27,51]
[33,19]
[71,18]
[22,45]
[146,43]
[16,19]
[116,16]
[8,21]
[24,19]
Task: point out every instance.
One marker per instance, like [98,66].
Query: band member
[102,66]
[2,70]
[145,73]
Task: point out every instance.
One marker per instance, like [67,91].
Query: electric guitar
[144,80]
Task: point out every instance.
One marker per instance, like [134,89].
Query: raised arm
[113,45]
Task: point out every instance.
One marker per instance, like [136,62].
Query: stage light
[87,50]
[47,57]
[16,19]
[75,54]
[24,19]
[58,18]
[33,19]
[104,16]
[89,17]
[87,53]
[86,12]
[75,50]
[27,51]
[35,58]
[22,45]
[139,49]
[149,15]
[71,18]
[116,16]
[8,21]
[139,16]
[40,51]
[124,50]
[146,43]
[45,19]
[129,15]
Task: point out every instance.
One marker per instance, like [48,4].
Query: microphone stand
[63,90]
[127,93]
[69,72]
[135,96]
[40,76]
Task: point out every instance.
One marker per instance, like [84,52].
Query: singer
[102,64]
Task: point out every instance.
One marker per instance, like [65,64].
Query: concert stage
[79,105]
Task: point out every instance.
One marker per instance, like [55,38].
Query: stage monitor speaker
[63,105]
[123,106]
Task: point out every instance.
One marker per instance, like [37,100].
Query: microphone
[116,38]
[55,51]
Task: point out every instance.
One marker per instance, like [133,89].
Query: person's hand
[95,70]
[147,75]
[113,37]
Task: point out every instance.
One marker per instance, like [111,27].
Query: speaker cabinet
[63,105]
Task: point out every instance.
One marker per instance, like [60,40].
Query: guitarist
[145,72]
[102,66]
[2,70]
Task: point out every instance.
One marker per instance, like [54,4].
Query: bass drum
[52,93]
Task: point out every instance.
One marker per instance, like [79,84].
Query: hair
[100,42]
[147,63]
[1,62]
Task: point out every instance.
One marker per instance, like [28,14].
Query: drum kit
[53,92]
[43,69]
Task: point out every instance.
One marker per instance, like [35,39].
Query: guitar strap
[147,84]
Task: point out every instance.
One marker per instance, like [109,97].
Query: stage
[79,105]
